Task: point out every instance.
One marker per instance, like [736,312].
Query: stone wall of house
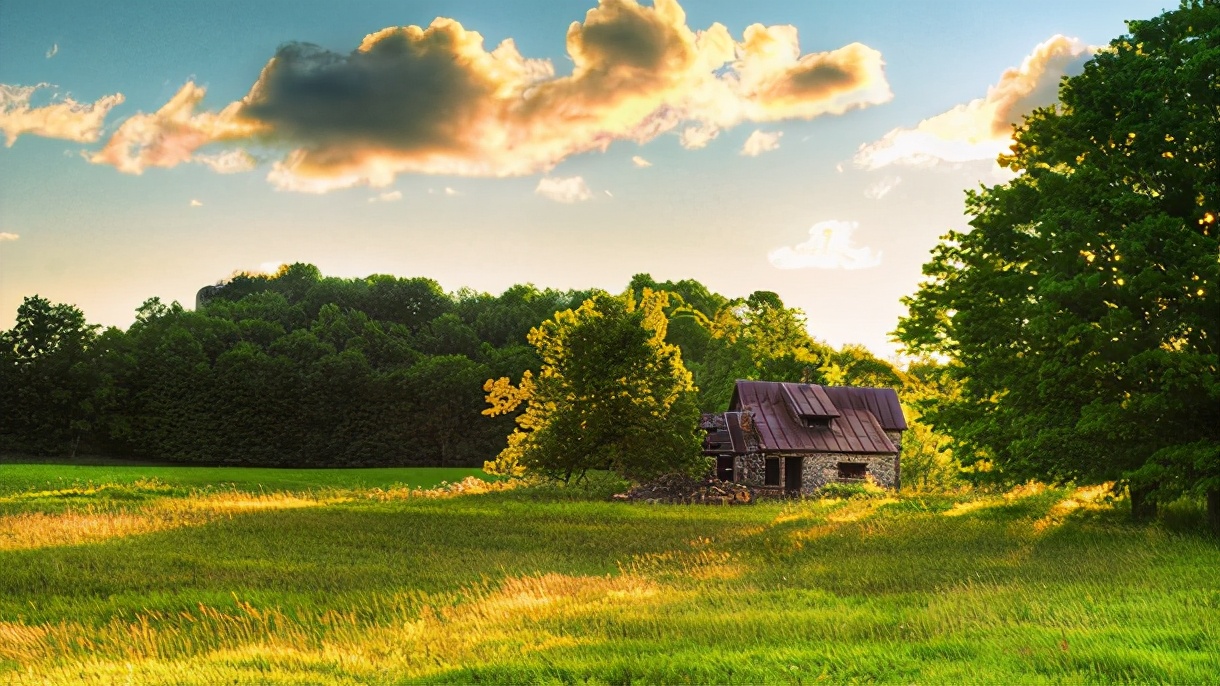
[896,438]
[820,469]
[750,469]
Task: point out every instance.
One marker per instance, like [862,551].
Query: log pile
[679,489]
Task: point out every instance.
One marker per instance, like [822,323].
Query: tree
[759,338]
[50,382]
[610,394]
[1082,308]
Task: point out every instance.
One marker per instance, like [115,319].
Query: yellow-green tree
[610,394]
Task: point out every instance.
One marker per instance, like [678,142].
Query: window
[852,471]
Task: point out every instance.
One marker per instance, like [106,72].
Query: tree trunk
[1213,510]
[1142,507]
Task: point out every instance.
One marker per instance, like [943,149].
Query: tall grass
[375,584]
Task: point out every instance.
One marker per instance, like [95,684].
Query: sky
[814,149]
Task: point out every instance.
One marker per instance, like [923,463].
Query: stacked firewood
[682,489]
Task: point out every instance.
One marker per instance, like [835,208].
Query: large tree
[1082,309]
[50,387]
[611,393]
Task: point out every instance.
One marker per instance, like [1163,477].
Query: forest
[299,369]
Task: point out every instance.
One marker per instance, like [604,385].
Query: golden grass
[92,524]
[478,624]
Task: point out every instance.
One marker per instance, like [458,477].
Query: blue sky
[825,175]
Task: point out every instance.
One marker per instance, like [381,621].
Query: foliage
[928,461]
[610,394]
[852,491]
[1081,310]
[51,390]
[336,576]
[299,369]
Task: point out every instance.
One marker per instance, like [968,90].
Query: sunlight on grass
[468,582]
[192,647]
[1086,498]
[105,512]
[969,506]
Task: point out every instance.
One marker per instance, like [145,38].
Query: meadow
[184,575]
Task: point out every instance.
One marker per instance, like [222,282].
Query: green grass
[18,478]
[338,577]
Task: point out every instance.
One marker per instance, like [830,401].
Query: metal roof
[881,402]
[784,424]
[808,400]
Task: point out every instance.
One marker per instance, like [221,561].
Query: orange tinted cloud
[172,134]
[434,100]
[66,119]
[982,129]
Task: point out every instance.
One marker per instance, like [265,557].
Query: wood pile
[679,489]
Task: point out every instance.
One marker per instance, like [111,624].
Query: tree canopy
[1081,310]
[611,393]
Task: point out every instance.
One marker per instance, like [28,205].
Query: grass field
[198,575]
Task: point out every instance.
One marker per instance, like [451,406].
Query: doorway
[724,468]
[793,466]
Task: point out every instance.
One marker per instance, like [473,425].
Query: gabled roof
[847,419]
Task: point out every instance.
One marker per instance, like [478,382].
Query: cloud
[229,162]
[172,134]
[882,188]
[65,119]
[451,192]
[829,247]
[698,136]
[389,196]
[434,100]
[6,236]
[196,203]
[640,162]
[53,50]
[566,190]
[760,142]
[982,128]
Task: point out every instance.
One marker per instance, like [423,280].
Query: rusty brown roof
[724,434]
[782,425]
[808,400]
[881,402]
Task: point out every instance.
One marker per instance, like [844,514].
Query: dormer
[809,405]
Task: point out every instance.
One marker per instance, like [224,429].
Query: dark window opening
[771,472]
[792,473]
[724,468]
[816,422]
[852,471]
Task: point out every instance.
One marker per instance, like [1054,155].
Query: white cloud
[829,247]
[982,129]
[451,192]
[640,162]
[271,267]
[228,162]
[6,236]
[882,188]
[698,136]
[196,203]
[54,49]
[566,190]
[66,119]
[389,196]
[760,142]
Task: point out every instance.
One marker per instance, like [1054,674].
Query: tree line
[299,369]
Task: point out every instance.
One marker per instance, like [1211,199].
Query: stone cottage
[797,437]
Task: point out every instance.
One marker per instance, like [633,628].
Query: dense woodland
[304,370]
